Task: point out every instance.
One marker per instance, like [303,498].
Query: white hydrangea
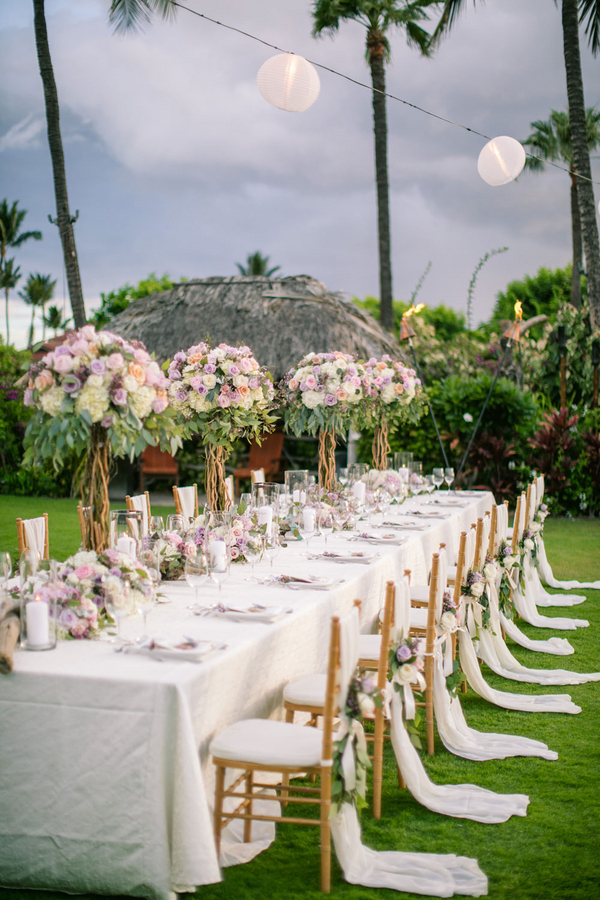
[51,400]
[312,399]
[93,400]
[388,394]
[142,401]
[199,403]
[130,384]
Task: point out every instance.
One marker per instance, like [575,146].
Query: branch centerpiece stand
[99,397]
[393,395]
[222,394]
[320,396]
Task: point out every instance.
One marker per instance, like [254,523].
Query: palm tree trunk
[376,60]
[577,245]
[6,312]
[63,219]
[581,156]
[30,344]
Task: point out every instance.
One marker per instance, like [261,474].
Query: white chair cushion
[451,573]
[269,743]
[369,647]
[419,592]
[418,618]
[309,690]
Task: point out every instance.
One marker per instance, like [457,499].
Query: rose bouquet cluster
[362,699]
[222,393]
[406,663]
[506,562]
[450,619]
[172,549]
[322,391]
[475,591]
[539,518]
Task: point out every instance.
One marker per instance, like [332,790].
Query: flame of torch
[413,310]
[518,311]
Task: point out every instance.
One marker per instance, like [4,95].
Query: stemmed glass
[438,477]
[157,525]
[449,476]
[175,522]
[254,550]
[272,547]
[197,570]
[325,522]
[6,568]
[118,604]
[308,524]
[149,557]
[430,486]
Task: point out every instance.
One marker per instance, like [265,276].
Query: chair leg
[325,830]
[378,763]
[218,813]
[248,822]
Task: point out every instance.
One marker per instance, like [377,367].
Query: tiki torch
[512,334]
[407,333]
[562,349]
[595,364]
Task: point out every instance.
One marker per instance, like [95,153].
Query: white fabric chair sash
[187,499]
[140,504]
[501,524]
[539,489]
[258,476]
[35,531]
[402,610]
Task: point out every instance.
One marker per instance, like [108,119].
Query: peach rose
[45,379]
[138,372]
[194,358]
[243,390]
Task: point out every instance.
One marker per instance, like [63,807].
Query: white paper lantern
[501,160]
[289,82]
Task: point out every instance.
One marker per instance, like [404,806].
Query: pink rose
[292,385]
[80,347]
[159,404]
[154,377]
[63,364]
[80,628]
[223,401]
[115,361]
[45,379]
[83,572]
[311,382]
[245,365]
[88,332]
[196,382]
[378,381]
[253,384]
[141,356]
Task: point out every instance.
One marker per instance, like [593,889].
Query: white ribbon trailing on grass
[524,603]
[547,574]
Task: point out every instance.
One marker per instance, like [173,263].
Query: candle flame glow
[413,310]
[518,311]
[38,598]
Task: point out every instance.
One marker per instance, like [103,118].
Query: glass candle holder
[126,531]
[39,595]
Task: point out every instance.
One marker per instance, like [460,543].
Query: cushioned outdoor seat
[309,690]
[264,743]
[419,592]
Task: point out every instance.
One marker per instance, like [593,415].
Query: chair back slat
[330,693]
[32,534]
[141,503]
[460,566]
[515,535]
[186,501]
[493,532]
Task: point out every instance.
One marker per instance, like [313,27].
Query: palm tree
[11,219]
[54,319]
[574,13]
[37,292]
[378,17]
[9,276]
[257,264]
[551,142]
[63,220]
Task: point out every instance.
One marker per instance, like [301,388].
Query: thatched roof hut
[281,319]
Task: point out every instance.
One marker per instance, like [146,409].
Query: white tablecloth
[105,780]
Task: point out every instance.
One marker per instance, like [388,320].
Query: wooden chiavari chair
[261,745]
[32,534]
[141,503]
[186,501]
[257,476]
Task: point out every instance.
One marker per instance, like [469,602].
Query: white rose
[312,399]
[130,384]
[528,544]
[448,621]
[509,562]
[95,381]
[477,589]
[209,381]
[367,705]
[406,673]
[240,381]
[535,527]
[142,401]
[490,571]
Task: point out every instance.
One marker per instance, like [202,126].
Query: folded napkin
[358,556]
[263,614]
[186,649]
[379,538]
[427,515]
[461,503]
[405,526]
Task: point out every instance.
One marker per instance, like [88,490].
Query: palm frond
[450,14]
[589,12]
[134,15]
[26,236]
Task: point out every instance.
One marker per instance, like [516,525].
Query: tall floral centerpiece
[100,397]
[320,396]
[393,394]
[222,394]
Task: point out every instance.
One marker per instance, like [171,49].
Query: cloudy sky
[178,165]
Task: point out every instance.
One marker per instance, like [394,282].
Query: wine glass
[197,570]
[308,524]
[254,550]
[438,477]
[219,561]
[449,475]
[29,563]
[325,521]
[272,547]
[118,604]
[6,568]
[175,522]
[430,485]
[157,525]
[150,557]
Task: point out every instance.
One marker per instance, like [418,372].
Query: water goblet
[308,524]
[326,521]
[175,522]
[430,485]
[449,475]
[197,570]
[254,550]
[118,604]
[219,561]
[272,546]
[157,525]
[438,477]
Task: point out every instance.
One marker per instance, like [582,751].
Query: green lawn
[552,854]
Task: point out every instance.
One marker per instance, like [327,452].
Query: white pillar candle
[403,473]
[308,515]
[296,497]
[358,489]
[126,545]
[218,555]
[302,496]
[38,622]
[265,517]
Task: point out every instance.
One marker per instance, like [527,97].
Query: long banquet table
[105,777]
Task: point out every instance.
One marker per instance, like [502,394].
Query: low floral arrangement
[223,394]
[320,396]
[99,395]
[172,549]
[393,394]
[506,563]
[475,591]
[406,667]
[362,699]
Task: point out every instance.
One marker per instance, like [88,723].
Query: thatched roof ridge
[281,319]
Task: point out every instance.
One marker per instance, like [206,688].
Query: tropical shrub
[119,299]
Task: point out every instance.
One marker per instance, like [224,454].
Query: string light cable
[363,84]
